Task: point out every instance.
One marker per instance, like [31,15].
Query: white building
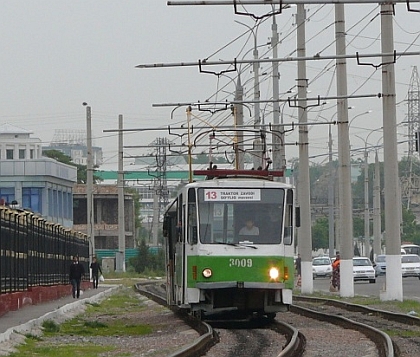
[34,182]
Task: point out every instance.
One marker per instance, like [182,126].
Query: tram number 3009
[241,263]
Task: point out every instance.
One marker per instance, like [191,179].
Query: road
[411,287]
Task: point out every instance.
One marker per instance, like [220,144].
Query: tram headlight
[274,273]
[207,273]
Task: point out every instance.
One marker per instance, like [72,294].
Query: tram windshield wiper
[227,243]
[240,244]
[248,244]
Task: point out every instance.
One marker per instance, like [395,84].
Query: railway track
[403,329]
[307,329]
[244,333]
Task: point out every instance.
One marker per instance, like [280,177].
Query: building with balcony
[105,217]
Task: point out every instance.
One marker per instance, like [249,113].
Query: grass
[31,349]
[402,333]
[129,278]
[50,326]
[99,319]
[405,306]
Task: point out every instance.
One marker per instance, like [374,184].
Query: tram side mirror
[297,216]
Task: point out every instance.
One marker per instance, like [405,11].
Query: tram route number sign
[236,194]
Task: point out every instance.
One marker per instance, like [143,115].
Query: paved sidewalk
[26,318]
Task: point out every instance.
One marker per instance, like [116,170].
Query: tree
[410,228]
[320,234]
[137,207]
[59,156]
[65,159]
[141,262]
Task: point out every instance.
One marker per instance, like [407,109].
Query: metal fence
[34,252]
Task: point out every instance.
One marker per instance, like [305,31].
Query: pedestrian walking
[298,265]
[95,272]
[77,271]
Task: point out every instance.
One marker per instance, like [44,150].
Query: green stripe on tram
[239,268]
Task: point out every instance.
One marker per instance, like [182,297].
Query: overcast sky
[57,54]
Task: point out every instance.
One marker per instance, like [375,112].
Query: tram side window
[288,223]
[179,226]
[192,217]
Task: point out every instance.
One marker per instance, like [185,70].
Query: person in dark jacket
[95,272]
[77,271]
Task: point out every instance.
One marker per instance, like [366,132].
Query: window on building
[22,153]
[32,198]
[50,202]
[65,205]
[32,153]
[9,154]
[7,194]
[60,203]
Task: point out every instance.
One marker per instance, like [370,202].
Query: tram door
[174,234]
[170,234]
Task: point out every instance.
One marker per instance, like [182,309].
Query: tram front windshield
[234,215]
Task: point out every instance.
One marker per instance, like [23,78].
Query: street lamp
[358,115]
[331,191]
[365,250]
[89,183]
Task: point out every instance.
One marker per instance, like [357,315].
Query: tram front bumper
[240,285]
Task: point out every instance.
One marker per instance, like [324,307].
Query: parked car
[380,265]
[363,270]
[410,265]
[410,249]
[321,267]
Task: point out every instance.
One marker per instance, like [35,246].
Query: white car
[321,267]
[380,264]
[410,265]
[363,270]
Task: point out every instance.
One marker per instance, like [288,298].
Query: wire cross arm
[296,100]
[316,57]
[288,100]
[410,9]
[256,17]
[275,2]
[202,63]
[376,66]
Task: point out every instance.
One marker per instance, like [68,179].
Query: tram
[229,243]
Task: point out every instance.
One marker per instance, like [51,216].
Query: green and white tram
[217,261]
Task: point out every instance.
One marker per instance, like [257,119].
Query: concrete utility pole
[376,209]
[304,231]
[258,145]
[258,157]
[278,142]
[239,121]
[331,189]
[89,184]
[346,212]
[394,289]
[366,244]
[120,261]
